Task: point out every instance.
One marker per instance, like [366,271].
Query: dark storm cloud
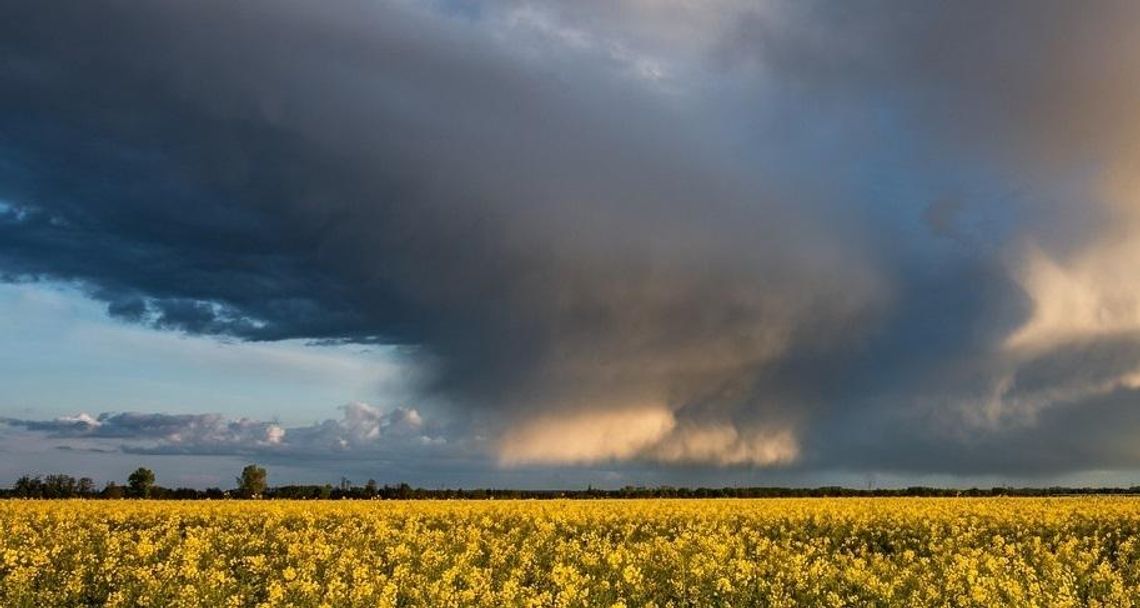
[555,233]
[1090,433]
[1002,352]
[776,234]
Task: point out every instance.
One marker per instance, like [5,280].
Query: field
[781,552]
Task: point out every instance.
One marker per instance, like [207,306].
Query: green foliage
[140,482]
[253,481]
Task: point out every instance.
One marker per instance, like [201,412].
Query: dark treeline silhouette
[406,492]
[252,484]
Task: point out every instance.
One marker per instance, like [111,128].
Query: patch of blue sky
[60,354]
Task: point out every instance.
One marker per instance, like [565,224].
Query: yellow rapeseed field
[776,552]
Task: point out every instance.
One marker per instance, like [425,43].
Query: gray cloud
[362,431]
[661,234]
[538,223]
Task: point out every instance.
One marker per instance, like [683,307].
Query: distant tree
[141,482]
[112,490]
[184,494]
[252,482]
[86,486]
[59,485]
[29,487]
[370,488]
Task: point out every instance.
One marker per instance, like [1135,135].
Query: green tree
[252,481]
[29,487]
[141,482]
[112,490]
[59,486]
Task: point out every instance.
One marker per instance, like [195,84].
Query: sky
[544,244]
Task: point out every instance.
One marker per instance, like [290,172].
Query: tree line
[252,483]
[140,484]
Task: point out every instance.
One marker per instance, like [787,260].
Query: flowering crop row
[782,552]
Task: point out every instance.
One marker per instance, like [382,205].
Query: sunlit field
[777,552]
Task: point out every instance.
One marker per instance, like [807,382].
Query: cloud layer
[363,430]
[790,235]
